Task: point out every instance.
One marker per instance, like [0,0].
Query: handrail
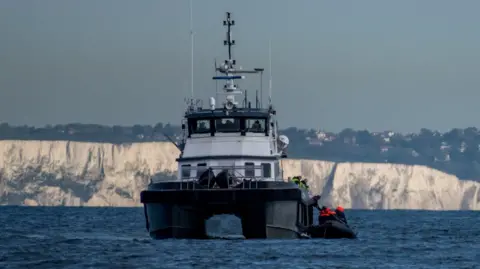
[235,176]
[222,167]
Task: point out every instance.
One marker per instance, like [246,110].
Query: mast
[228,68]
[229,42]
[230,88]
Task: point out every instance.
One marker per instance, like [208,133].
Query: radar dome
[283,141]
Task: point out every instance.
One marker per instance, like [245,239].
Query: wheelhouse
[220,121]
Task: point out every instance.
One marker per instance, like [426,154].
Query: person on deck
[300,182]
[304,184]
[313,201]
[341,214]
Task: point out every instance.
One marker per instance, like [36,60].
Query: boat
[229,163]
[331,229]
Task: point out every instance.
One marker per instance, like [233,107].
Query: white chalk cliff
[52,173]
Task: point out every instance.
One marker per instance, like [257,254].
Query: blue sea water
[66,237]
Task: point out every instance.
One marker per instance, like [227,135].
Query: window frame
[193,126]
[237,122]
[200,172]
[263,124]
[264,170]
[184,171]
[250,169]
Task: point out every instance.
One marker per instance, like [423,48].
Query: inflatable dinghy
[331,229]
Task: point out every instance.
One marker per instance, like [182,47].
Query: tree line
[90,132]
[456,151]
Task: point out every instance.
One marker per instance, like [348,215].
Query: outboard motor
[207,178]
[224,179]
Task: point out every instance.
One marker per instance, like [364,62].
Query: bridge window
[227,125]
[267,170]
[200,126]
[256,125]
[201,167]
[186,168]
[249,170]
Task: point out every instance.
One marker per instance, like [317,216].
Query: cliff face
[96,174]
[72,173]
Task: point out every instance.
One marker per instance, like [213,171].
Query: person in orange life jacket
[341,214]
[326,214]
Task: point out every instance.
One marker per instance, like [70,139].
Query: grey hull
[270,212]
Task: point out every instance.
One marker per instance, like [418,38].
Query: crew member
[303,183]
[256,127]
[314,201]
[341,214]
[296,180]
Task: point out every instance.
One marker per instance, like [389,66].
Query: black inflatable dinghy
[331,229]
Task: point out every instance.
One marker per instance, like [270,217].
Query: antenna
[260,70]
[229,22]
[270,69]
[191,52]
[270,59]
[216,81]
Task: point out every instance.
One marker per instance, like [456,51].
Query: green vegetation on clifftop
[456,152]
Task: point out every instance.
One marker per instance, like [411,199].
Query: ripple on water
[116,238]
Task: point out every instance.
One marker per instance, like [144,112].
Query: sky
[375,65]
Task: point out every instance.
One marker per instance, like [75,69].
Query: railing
[234,176]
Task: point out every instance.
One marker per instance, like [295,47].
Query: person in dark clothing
[304,184]
[341,214]
[313,201]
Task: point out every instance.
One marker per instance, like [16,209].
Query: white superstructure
[234,135]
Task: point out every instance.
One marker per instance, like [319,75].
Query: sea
[84,237]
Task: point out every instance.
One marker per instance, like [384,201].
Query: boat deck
[190,193]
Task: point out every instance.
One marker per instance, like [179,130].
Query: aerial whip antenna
[191,47]
[270,69]
[216,81]
[270,60]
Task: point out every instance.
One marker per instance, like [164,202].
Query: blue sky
[373,65]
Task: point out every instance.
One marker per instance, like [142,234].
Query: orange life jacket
[326,212]
[323,213]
